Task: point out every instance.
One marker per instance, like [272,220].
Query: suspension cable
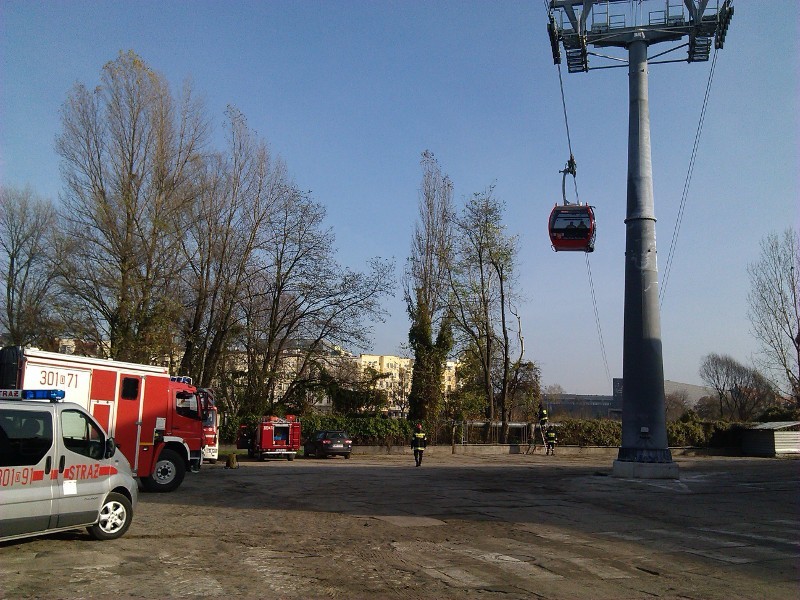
[571,165]
[686,183]
[570,168]
[597,319]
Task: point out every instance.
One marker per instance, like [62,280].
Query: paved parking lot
[511,527]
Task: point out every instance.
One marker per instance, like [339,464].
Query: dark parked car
[328,443]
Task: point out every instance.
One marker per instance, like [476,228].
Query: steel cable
[686,184]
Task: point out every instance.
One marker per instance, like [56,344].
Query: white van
[59,470]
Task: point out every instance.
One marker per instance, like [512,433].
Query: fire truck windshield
[186,405]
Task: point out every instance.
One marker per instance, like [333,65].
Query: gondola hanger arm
[569,169]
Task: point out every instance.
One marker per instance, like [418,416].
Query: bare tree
[128,149]
[236,195]
[424,290]
[554,389]
[707,407]
[742,392]
[27,267]
[774,313]
[481,291]
[676,404]
[298,298]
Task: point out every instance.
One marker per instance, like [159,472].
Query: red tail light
[326,441]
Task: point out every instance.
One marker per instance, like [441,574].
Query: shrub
[684,434]
[589,432]
[689,431]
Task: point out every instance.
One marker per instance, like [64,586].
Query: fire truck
[156,420]
[211,430]
[272,437]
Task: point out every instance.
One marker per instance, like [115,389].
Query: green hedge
[377,431]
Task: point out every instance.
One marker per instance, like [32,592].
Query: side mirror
[111,447]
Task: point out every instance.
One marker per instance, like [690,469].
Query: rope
[577,198]
[597,320]
[686,183]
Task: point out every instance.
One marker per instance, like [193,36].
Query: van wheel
[115,518]
[168,474]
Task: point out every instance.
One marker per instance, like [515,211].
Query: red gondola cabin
[572,228]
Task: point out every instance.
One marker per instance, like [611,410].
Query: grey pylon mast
[579,25]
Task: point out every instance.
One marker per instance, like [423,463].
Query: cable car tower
[577,25]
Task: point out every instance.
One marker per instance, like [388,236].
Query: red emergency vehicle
[272,437]
[211,430]
[155,419]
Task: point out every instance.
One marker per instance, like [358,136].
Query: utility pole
[577,25]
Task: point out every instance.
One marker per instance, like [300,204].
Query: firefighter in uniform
[542,422]
[550,440]
[418,443]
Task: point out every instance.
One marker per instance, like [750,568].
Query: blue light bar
[51,395]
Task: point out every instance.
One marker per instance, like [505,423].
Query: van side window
[81,435]
[25,437]
[130,388]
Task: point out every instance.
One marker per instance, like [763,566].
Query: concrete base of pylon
[644,470]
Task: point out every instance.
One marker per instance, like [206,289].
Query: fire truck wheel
[168,474]
[290,457]
[115,518]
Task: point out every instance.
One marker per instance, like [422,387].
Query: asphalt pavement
[488,527]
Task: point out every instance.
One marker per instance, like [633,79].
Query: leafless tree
[676,404]
[774,313]
[742,392]
[481,290]
[235,197]
[707,407]
[297,297]
[128,149]
[27,267]
[554,389]
[425,283]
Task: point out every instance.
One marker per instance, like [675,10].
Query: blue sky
[350,93]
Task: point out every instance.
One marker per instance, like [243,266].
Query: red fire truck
[210,430]
[155,419]
[272,437]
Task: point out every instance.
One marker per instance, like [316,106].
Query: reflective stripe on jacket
[419,441]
